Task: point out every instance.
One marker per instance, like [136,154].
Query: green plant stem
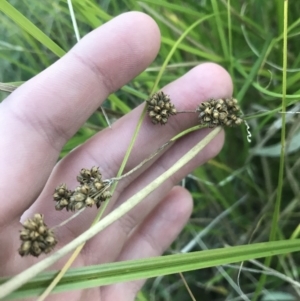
[175,46]
[195,128]
[29,27]
[187,287]
[230,41]
[249,78]
[276,212]
[220,28]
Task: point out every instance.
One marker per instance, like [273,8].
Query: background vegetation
[235,193]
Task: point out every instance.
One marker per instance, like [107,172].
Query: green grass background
[236,191]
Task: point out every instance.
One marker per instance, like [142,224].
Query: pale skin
[38,118]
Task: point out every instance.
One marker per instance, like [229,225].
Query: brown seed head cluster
[160,108]
[36,237]
[223,111]
[92,191]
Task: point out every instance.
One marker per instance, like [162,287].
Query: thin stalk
[220,28]
[250,77]
[156,153]
[283,129]
[69,219]
[116,179]
[122,167]
[187,111]
[105,116]
[76,31]
[276,212]
[230,40]
[74,23]
[187,287]
[61,273]
[164,65]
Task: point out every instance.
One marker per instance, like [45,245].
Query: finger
[152,238]
[38,118]
[107,148]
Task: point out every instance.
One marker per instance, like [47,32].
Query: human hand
[39,117]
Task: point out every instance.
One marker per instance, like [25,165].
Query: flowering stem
[142,163]
[69,219]
[161,148]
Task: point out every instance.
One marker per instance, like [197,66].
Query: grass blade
[29,27]
[110,273]
[275,219]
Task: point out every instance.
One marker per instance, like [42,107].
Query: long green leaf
[220,28]
[175,7]
[29,27]
[99,275]
[254,70]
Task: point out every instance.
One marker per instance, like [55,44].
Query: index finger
[40,116]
